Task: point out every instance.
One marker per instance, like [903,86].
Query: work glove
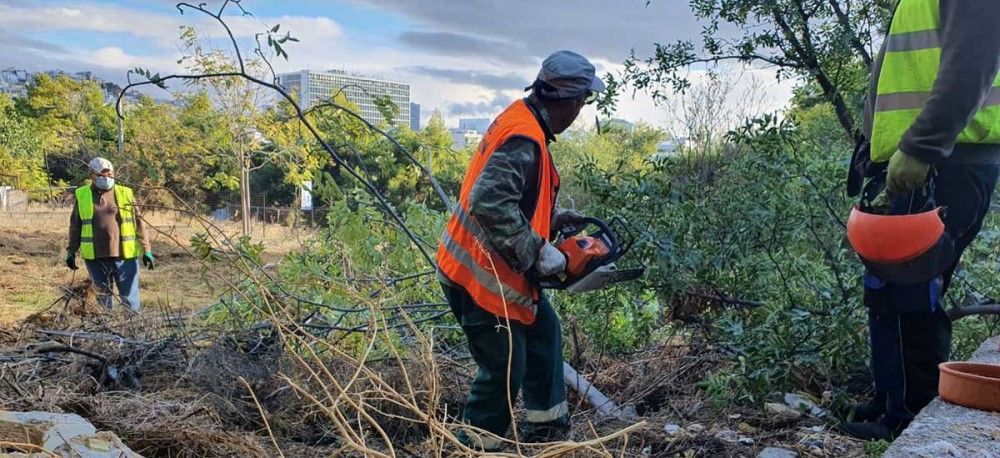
[71,261]
[550,261]
[566,217]
[148,260]
[905,173]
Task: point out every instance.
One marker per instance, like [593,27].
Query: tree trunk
[245,189]
[806,55]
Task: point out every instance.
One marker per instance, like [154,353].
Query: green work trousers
[536,370]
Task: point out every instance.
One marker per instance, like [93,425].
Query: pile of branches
[178,385]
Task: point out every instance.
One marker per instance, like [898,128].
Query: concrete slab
[948,430]
[62,435]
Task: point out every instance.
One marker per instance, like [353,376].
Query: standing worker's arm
[497,199]
[970,57]
[140,232]
[74,230]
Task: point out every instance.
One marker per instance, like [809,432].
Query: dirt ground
[174,389]
[33,274]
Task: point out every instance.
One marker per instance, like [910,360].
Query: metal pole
[121,133]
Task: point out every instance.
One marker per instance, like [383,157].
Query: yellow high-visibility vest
[911,63]
[123,198]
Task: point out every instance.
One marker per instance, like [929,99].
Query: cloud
[15,41]
[481,107]
[88,17]
[158,28]
[468,58]
[488,80]
[462,44]
[605,29]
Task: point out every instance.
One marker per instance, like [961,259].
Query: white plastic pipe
[604,405]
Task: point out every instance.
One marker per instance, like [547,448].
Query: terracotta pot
[974,385]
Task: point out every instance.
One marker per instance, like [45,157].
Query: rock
[775,452]
[781,411]
[62,435]
[815,444]
[800,402]
[748,441]
[695,428]
[671,429]
[728,435]
[735,416]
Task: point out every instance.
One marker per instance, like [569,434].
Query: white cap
[100,164]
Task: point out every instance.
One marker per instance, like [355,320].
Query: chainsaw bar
[604,276]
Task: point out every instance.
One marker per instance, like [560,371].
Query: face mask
[105,183]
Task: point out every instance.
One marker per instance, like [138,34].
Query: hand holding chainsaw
[563,217]
[577,262]
[551,261]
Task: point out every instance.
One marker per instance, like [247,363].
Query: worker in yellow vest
[105,227]
[933,133]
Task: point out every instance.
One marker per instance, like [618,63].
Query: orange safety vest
[465,257]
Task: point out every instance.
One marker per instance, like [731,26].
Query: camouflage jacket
[504,196]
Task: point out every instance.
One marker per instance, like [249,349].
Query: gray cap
[100,164]
[569,74]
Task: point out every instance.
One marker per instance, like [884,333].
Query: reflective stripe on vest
[126,228]
[464,256]
[909,68]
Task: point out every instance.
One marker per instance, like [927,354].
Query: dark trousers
[909,327]
[536,367]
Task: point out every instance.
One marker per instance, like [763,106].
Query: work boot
[868,411]
[480,442]
[551,431]
[870,431]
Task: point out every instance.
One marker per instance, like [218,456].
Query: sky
[464,58]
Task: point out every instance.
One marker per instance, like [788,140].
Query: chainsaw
[590,258]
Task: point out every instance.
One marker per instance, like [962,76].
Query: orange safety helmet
[906,249]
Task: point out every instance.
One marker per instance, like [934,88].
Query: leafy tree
[826,42]
[72,121]
[240,100]
[21,160]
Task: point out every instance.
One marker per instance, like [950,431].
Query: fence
[14,201]
[287,216]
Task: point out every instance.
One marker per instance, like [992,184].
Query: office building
[313,87]
[461,139]
[477,124]
[414,116]
[15,81]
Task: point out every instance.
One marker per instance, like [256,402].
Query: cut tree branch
[959,312]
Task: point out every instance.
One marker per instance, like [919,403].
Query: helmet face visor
[921,269]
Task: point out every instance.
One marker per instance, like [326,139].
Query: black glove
[71,261]
[566,217]
[148,260]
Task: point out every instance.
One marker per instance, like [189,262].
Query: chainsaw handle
[605,230]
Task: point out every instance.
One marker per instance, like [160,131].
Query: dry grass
[199,388]
[33,273]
